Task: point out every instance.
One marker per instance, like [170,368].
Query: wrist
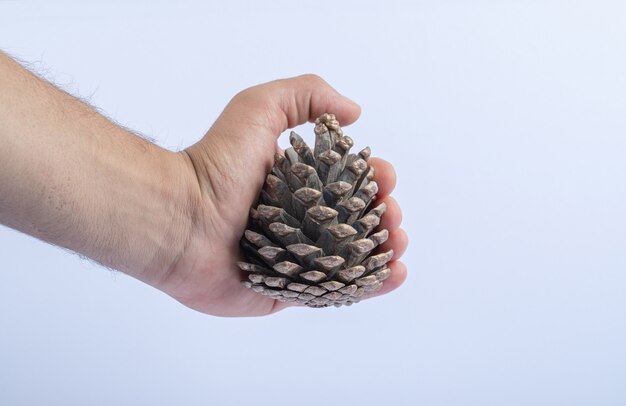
[166,225]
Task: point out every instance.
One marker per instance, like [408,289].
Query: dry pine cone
[310,239]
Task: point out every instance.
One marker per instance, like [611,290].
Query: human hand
[73,178]
[227,169]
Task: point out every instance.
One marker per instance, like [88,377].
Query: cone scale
[313,237]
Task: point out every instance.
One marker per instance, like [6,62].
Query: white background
[506,123]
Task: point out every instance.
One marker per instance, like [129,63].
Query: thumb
[240,146]
[275,106]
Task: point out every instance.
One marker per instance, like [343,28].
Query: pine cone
[309,239]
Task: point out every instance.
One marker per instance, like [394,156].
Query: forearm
[71,177]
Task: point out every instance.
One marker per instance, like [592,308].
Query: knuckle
[245,96]
[313,78]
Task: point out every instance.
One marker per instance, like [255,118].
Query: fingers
[279,305]
[286,103]
[392,218]
[398,242]
[397,278]
[384,175]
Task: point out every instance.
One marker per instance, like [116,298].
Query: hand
[73,178]
[228,168]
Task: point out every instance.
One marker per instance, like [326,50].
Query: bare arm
[71,177]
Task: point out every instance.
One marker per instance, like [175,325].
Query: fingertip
[392,218]
[399,274]
[398,242]
[384,175]
[349,112]
[345,110]
[398,277]
[326,99]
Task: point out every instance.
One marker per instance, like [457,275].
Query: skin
[173,220]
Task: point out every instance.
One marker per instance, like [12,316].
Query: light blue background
[506,122]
